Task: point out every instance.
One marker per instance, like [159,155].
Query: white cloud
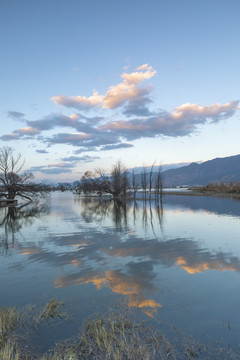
[16,115]
[75,139]
[9,137]
[85,158]
[132,96]
[183,121]
[213,111]
[39,151]
[79,102]
[61,165]
[144,67]
[27,131]
[116,96]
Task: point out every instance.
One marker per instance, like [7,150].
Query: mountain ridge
[225,169]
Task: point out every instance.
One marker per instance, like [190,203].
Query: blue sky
[87,83]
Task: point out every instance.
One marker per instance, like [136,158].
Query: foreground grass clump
[9,321]
[112,336]
[115,337]
[119,338]
[10,352]
[51,310]
[15,327]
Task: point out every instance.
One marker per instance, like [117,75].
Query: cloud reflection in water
[106,250]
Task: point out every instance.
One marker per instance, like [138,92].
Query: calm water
[177,267]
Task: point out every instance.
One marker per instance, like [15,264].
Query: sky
[85,84]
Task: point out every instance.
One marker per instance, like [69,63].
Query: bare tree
[94,182]
[99,182]
[64,186]
[135,185]
[159,185]
[116,178]
[150,180]
[13,181]
[119,180]
[125,182]
[144,181]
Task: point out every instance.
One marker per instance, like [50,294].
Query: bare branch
[12,182]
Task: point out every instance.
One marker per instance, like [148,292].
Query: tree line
[119,183]
[122,182]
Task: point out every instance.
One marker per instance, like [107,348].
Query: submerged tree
[13,181]
[144,181]
[151,180]
[119,180]
[115,184]
[159,185]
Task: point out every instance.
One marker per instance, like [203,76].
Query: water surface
[175,265]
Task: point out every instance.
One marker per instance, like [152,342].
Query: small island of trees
[121,183]
[17,183]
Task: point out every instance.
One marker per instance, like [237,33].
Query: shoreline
[203,193]
[140,196]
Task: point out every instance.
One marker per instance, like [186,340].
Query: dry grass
[115,337]
[9,321]
[10,352]
[112,336]
[15,327]
[222,188]
[51,310]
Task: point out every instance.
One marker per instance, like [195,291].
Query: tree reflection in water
[14,218]
[119,211]
[115,246]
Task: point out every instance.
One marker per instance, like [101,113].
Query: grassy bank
[219,189]
[112,336]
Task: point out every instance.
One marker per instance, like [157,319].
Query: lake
[176,266]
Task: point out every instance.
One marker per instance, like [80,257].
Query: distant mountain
[220,169]
[164,167]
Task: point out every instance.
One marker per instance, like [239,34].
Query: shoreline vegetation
[123,184]
[120,184]
[113,336]
[218,189]
[188,191]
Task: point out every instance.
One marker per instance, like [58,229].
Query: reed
[9,321]
[51,310]
[113,336]
[222,188]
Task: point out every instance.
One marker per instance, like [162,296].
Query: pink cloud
[116,95]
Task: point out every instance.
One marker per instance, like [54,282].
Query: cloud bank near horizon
[66,165]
